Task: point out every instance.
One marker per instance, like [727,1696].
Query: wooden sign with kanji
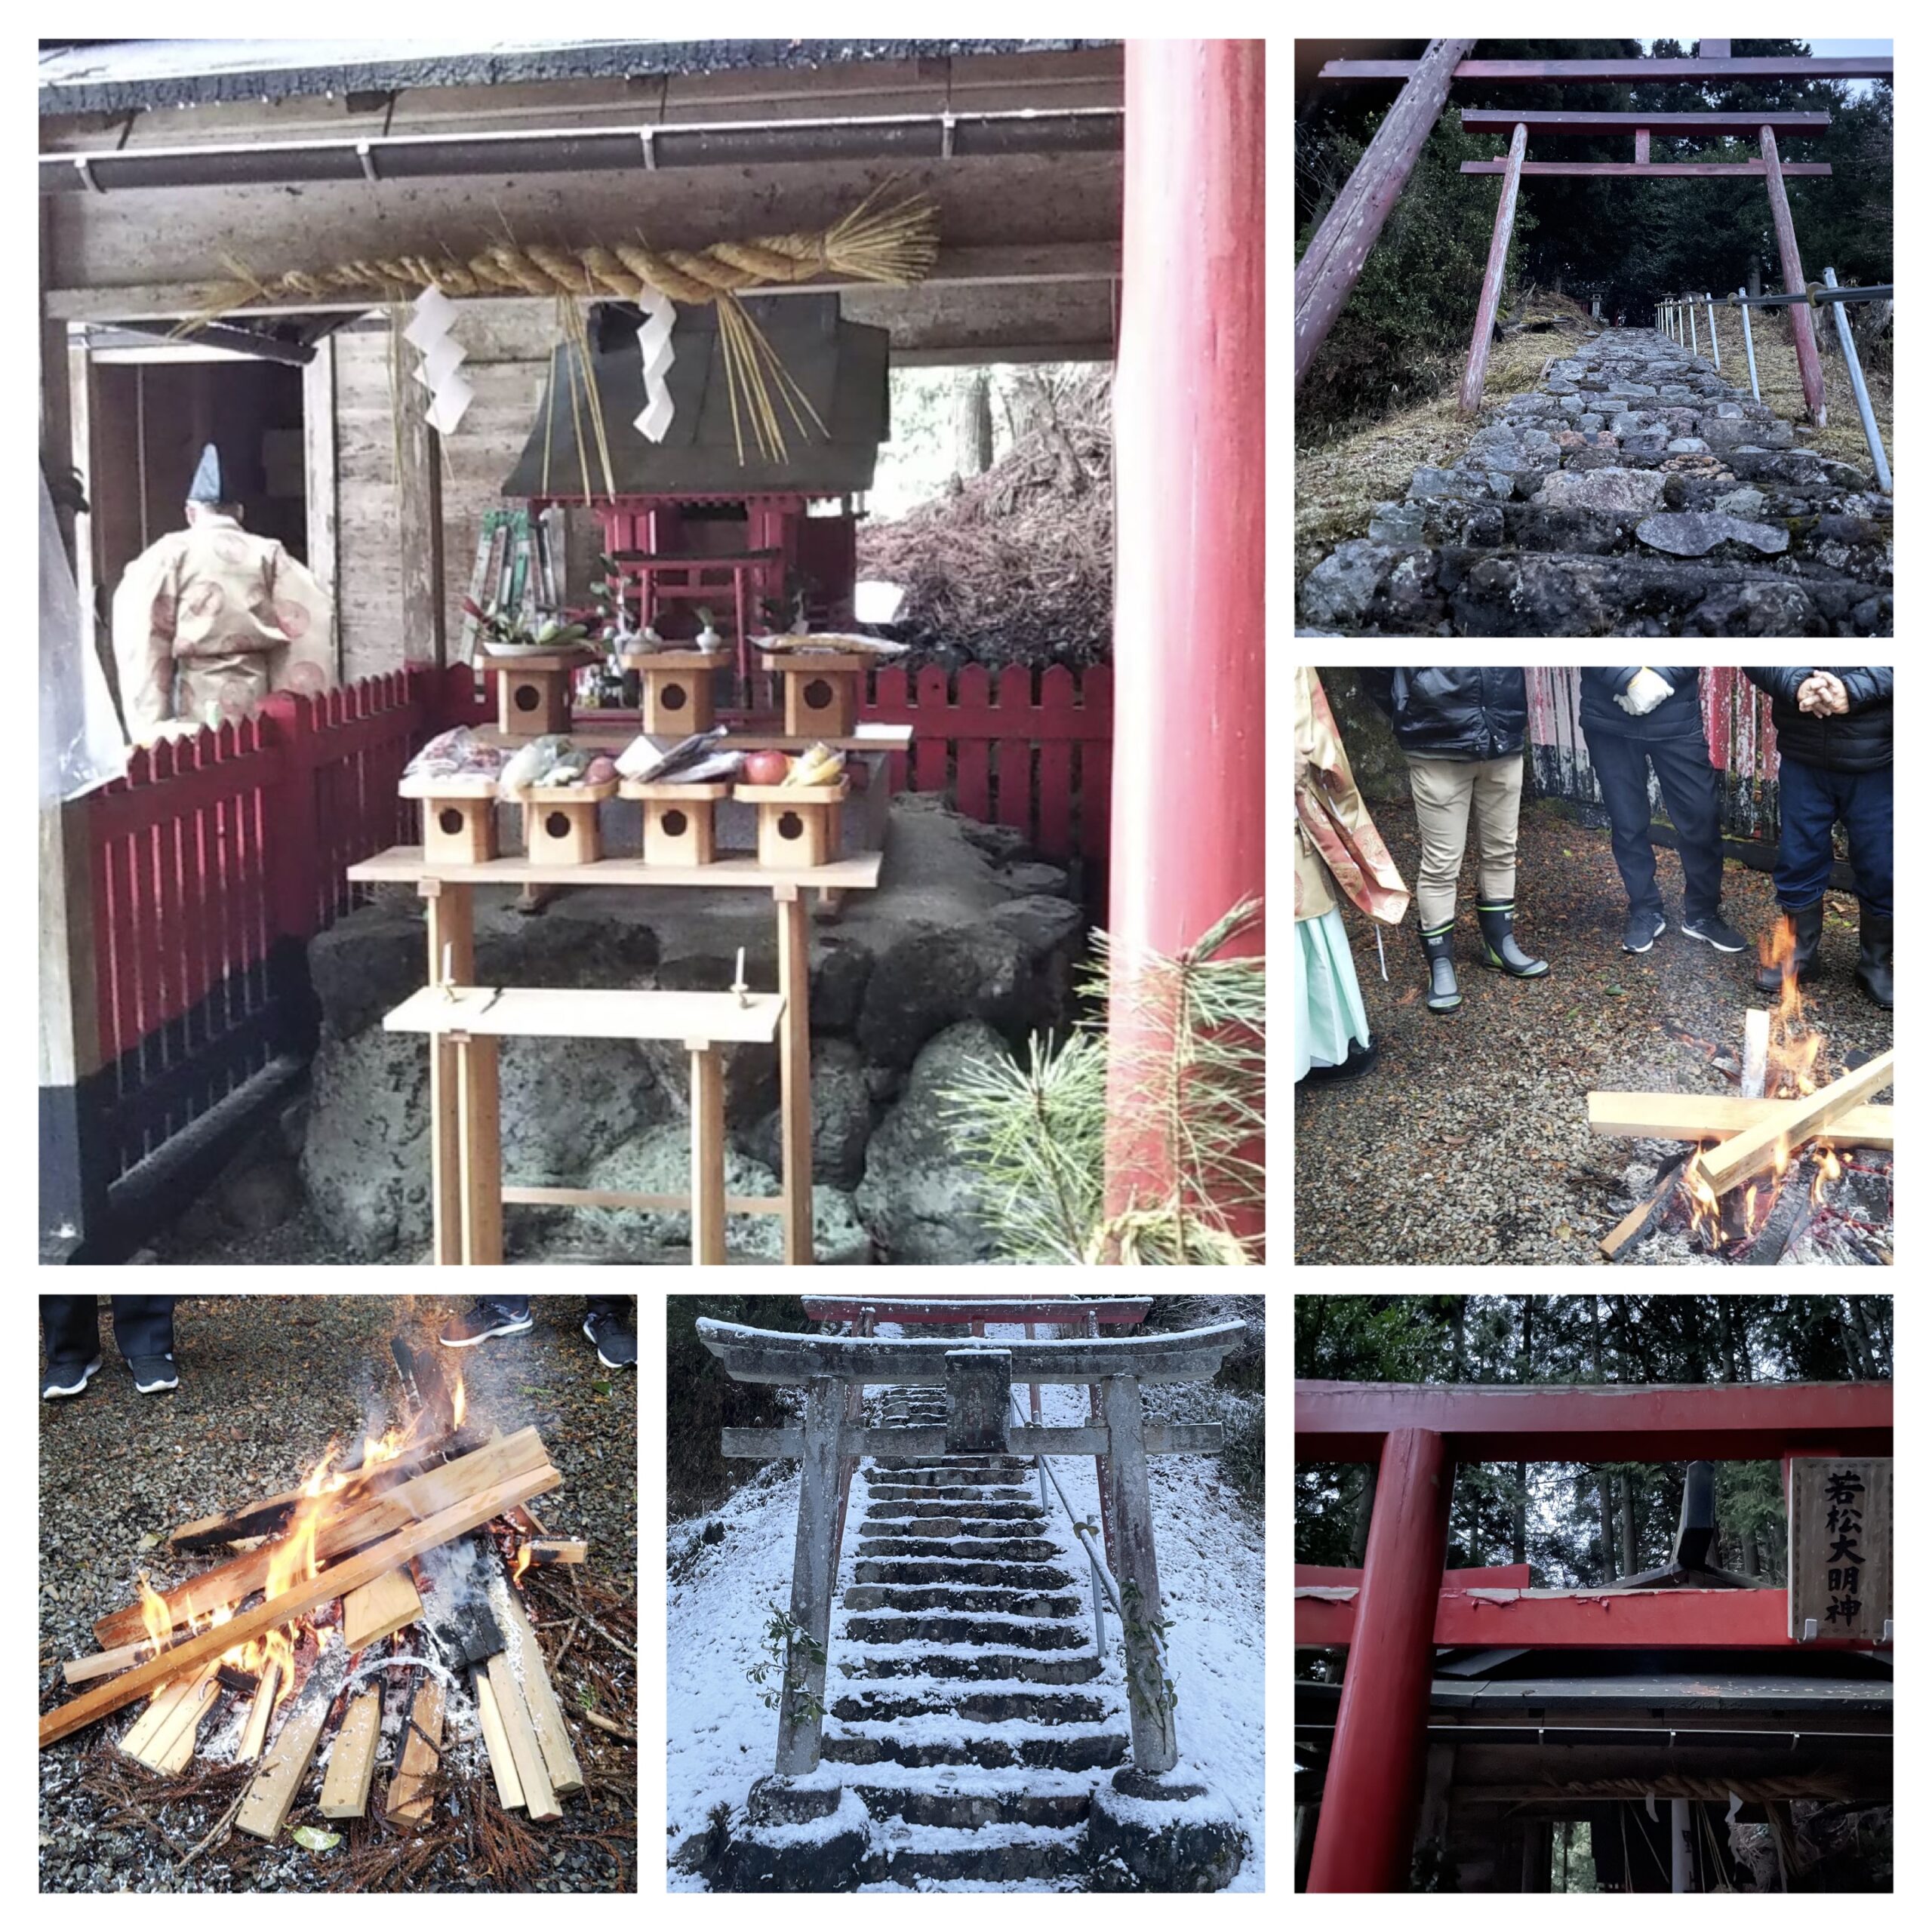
[1841,1510]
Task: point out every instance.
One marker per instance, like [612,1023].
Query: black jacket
[1677,717]
[1859,741]
[1454,711]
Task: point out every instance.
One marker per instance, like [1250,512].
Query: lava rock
[1755,610]
[1688,446]
[1745,503]
[1144,1834]
[1339,588]
[1697,533]
[917,1199]
[841,1117]
[1618,490]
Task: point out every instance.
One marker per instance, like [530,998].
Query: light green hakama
[1328,1008]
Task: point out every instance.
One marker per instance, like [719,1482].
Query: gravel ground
[1469,1142]
[119,1470]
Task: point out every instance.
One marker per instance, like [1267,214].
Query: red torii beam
[1583,1619]
[1374,1778]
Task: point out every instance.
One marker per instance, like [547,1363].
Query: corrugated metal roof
[109,77]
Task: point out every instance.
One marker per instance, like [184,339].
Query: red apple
[766,768]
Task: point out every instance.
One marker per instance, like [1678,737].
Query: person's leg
[610,1323]
[1440,789]
[1331,1025]
[1498,789]
[1865,804]
[1806,810]
[71,1324]
[144,1333]
[1689,783]
[1619,764]
[487,1316]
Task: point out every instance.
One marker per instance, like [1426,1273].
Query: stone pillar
[979,1386]
[814,1560]
[1150,1703]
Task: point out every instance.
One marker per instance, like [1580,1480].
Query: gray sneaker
[154,1375]
[1712,930]
[1640,931]
[70,1377]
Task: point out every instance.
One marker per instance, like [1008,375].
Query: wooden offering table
[472,1020]
[466,1193]
[534,688]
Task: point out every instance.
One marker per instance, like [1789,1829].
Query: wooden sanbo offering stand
[534,688]
[676,692]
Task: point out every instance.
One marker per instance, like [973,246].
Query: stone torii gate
[978,1381]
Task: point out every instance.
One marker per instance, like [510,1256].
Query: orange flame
[1829,1169]
[459,1402]
[1795,1046]
[156,1619]
[292,1562]
[522,1564]
[1751,1209]
[1705,1218]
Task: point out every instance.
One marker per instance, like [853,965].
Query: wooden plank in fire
[265,1809]
[1707,1116]
[1744,1154]
[547,1550]
[255,1732]
[379,1610]
[422,1496]
[496,1742]
[546,1716]
[151,1736]
[352,1759]
[409,1789]
[105,1663]
[540,1796]
[92,1706]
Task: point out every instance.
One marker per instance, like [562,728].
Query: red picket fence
[214,861]
[218,857]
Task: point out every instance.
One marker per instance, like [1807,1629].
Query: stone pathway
[963,1673]
[1635,494]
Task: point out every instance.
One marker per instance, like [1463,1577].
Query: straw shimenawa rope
[872,244]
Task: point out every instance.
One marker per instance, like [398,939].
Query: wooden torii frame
[978,1382]
[1327,271]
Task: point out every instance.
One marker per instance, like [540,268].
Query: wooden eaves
[1861,67]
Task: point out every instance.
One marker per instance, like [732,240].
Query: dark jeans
[1810,798]
[623,1306]
[1689,784]
[143,1325]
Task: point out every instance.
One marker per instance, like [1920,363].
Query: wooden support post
[352,1759]
[1810,371]
[813,1564]
[479,1149]
[451,929]
[707,1157]
[1643,156]
[1327,271]
[1471,399]
[319,480]
[1150,1705]
[409,1792]
[420,532]
[795,1077]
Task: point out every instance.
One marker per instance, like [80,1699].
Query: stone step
[942,1492]
[960,1596]
[969,1523]
[1075,1751]
[985,1706]
[1016,1576]
[938,1628]
[927,1805]
[963,1469]
[980,1855]
[970,1661]
[1035,1549]
[902,1509]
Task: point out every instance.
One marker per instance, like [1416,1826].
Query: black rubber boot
[1499,944]
[1359,1060]
[1874,972]
[1806,925]
[1436,949]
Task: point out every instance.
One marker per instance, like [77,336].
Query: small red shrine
[704,517]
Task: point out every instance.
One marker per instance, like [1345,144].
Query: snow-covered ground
[1213,1578]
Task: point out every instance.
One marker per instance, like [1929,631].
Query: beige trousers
[1445,790]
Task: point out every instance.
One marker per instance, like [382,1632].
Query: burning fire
[1706,1217]
[522,1563]
[459,1402]
[156,1619]
[1829,1169]
[1796,1045]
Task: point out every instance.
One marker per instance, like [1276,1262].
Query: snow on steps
[991,1854]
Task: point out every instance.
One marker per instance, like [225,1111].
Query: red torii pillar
[1374,1788]
[1189,475]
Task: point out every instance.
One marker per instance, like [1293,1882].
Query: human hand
[1646,691]
[1810,696]
[1833,698]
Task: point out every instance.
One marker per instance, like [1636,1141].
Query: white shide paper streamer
[654,343]
[432,316]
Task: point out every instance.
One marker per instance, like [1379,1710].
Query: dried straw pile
[1016,566]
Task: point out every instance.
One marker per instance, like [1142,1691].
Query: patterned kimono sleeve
[305,615]
[143,624]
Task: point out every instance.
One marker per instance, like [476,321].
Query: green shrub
[700,1399]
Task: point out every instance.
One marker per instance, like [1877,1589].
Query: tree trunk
[1757,276]
[1866,1345]
[1629,1510]
[1747,1553]
[1605,1514]
[973,424]
[1365,1510]
[1458,1326]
